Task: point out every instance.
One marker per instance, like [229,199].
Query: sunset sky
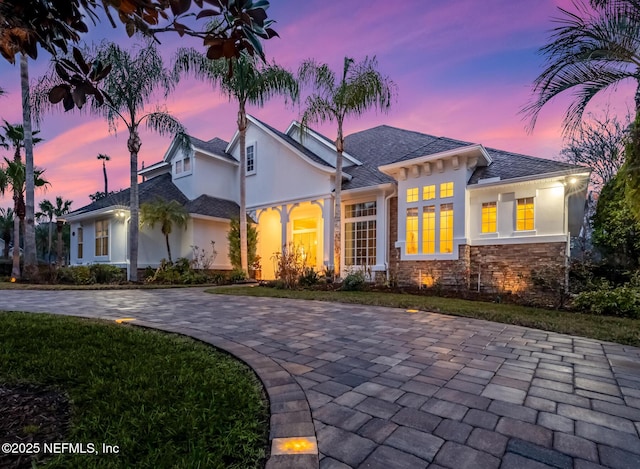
[464,69]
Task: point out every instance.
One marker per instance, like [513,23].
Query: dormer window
[251,159]
[182,166]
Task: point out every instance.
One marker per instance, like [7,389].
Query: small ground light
[13,280]
[121,320]
[295,445]
[412,310]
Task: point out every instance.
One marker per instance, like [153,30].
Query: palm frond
[589,51]
[165,124]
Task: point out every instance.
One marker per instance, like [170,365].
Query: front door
[305,239]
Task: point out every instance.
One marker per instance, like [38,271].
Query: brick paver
[382,388]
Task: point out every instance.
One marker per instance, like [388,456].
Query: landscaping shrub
[105,273]
[355,281]
[237,275]
[290,264]
[606,300]
[309,277]
[76,275]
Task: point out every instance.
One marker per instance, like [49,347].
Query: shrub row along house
[416,209]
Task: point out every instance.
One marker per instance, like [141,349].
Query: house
[415,208]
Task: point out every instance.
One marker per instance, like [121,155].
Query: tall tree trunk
[166,238]
[15,270]
[30,258]
[104,171]
[49,240]
[59,226]
[338,201]
[242,128]
[133,145]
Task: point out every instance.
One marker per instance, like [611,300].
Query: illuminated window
[251,159]
[412,231]
[428,192]
[102,238]
[446,190]
[80,243]
[186,164]
[429,229]
[524,214]
[178,168]
[412,194]
[446,228]
[489,217]
[360,234]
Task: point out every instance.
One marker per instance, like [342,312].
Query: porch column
[284,221]
[327,242]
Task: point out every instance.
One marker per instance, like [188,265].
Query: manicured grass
[620,330]
[165,400]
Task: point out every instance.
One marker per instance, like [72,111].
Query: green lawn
[620,330]
[165,400]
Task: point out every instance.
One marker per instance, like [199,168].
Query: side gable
[300,150]
[320,145]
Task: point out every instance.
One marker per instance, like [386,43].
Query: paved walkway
[384,388]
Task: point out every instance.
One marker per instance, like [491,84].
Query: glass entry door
[305,239]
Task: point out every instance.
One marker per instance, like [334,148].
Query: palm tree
[166,213]
[360,88]
[130,87]
[590,51]
[14,173]
[104,158]
[46,210]
[6,225]
[61,208]
[30,258]
[250,83]
[13,137]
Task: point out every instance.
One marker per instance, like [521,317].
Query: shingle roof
[507,165]
[385,145]
[149,190]
[213,207]
[215,145]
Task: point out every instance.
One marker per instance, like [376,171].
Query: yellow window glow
[428,192]
[412,194]
[429,229]
[524,214]
[412,231]
[446,228]
[446,190]
[489,217]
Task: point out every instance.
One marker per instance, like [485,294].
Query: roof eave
[324,142]
[392,168]
[70,217]
[581,171]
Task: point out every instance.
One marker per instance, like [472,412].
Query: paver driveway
[389,389]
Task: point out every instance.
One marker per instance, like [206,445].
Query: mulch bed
[31,414]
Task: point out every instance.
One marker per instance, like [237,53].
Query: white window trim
[367,218]
[95,238]
[253,145]
[437,201]
[180,161]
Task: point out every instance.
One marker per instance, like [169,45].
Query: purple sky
[464,70]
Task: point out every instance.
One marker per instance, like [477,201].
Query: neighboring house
[415,208]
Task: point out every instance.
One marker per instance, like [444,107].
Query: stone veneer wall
[501,267]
